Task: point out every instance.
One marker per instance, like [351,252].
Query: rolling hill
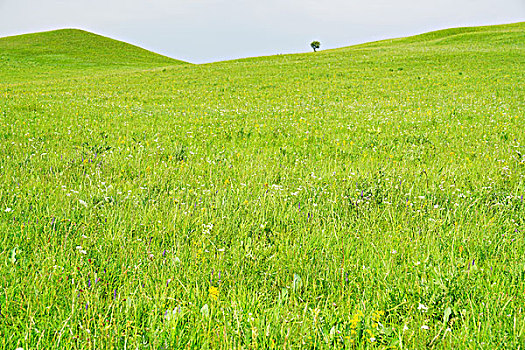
[71,52]
[490,36]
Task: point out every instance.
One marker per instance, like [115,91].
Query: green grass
[367,197]
[489,36]
[70,53]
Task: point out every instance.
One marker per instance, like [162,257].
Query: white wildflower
[422,307]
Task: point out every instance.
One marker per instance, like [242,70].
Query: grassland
[366,197]
[70,53]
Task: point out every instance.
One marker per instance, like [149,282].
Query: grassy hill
[371,196]
[71,52]
[490,36]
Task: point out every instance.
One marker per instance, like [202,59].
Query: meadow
[359,198]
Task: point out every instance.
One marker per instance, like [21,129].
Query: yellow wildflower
[213,292]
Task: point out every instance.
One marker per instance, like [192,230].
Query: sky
[201,31]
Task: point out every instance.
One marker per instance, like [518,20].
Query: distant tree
[315,45]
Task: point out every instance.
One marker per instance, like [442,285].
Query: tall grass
[361,198]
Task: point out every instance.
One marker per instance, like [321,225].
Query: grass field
[365,197]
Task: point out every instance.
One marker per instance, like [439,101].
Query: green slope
[513,34]
[70,52]
[504,42]
[367,197]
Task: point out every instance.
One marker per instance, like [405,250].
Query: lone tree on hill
[315,45]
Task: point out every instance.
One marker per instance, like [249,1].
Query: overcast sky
[211,30]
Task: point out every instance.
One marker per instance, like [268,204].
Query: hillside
[71,52]
[474,37]
[366,197]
